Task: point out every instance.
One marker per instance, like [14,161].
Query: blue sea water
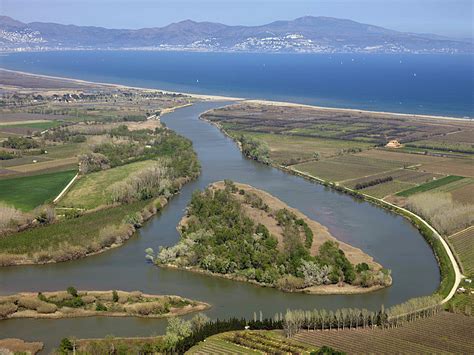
[421,84]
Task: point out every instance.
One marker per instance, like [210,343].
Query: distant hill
[302,35]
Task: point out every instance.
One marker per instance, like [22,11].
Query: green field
[430,185]
[90,191]
[28,192]
[36,125]
[77,232]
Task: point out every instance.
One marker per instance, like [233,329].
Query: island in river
[236,231]
[73,303]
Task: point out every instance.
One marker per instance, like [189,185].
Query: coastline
[230,98]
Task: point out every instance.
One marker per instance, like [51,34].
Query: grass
[90,191]
[28,192]
[81,231]
[430,185]
[36,125]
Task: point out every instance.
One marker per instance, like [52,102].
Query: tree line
[365,184]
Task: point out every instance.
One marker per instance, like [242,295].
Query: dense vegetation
[143,145]
[82,303]
[20,143]
[365,184]
[254,149]
[220,238]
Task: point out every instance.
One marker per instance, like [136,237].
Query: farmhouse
[393,144]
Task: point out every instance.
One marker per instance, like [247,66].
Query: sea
[418,84]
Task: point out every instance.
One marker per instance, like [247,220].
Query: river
[389,238]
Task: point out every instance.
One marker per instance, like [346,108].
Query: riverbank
[12,346]
[117,238]
[72,304]
[449,269]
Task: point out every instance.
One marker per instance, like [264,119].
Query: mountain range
[302,35]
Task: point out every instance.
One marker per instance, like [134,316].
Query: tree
[72,291]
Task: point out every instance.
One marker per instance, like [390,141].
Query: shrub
[115,296]
[30,302]
[290,283]
[100,307]
[88,299]
[47,308]
[72,291]
[91,162]
[147,308]
[45,214]
[10,217]
[6,309]
[65,346]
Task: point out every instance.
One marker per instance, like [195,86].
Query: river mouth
[389,238]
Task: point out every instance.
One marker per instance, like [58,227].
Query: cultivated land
[28,192]
[236,231]
[250,342]
[129,165]
[433,180]
[73,303]
[445,333]
[463,243]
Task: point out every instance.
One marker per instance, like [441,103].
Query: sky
[445,17]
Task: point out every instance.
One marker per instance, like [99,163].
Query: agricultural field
[376,128]
[385,189]
[463,243]
[445,333]
[347,167]
[50,131]
[432,185]
[28,192]
[91,190]
[70,238]
[250,342]
[289,149]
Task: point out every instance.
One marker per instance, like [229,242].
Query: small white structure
[468,281]
[461,290]
[393,144]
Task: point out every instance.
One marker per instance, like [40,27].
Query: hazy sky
[446,17]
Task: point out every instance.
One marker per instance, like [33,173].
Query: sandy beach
[230,98]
